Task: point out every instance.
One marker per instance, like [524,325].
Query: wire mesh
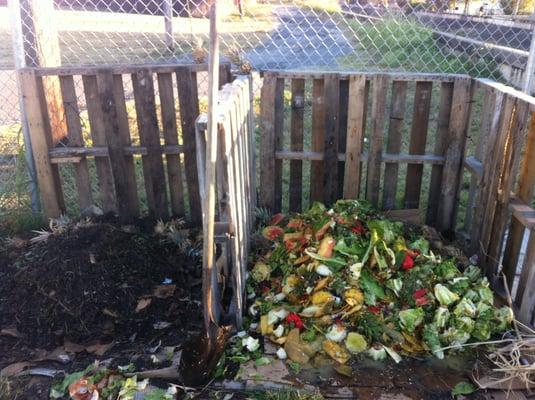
[474,37]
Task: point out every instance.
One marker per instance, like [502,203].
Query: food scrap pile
[345,281]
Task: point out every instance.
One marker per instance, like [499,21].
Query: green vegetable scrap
[346,282]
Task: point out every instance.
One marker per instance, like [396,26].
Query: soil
[81,287]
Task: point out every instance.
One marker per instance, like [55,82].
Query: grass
[396,45]
[284,395]
[328,6]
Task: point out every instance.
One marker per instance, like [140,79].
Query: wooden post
[47,176]
[168,18]
[209,298]
[20,62]
[41,46]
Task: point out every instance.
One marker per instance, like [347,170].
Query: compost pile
[98,281]
[346,281]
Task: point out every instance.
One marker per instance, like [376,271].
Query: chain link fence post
[530,65]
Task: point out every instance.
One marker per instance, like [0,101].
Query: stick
[210,320]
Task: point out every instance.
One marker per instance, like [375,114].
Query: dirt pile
[98,281]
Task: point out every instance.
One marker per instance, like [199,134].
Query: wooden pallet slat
[169,124]
[526,297]
[525,191]
[272,114]
[355,135]
[41,142]
[380,88]
[395,127]
[318,133]
[74,128]
[451,174]
[330,146]
[115,144]
[278,125]
[489,130]
[98,134]
[153,170]
[342,132]
[296,143]
[189,111]
[509,171]
[418,139]
[441,142]
[124,135]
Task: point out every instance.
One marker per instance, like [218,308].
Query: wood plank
[380,88]
[492,177]
[59,153]
[451,174]
[474,167]
[355,134]
[395,129]
[471,162]
[489,131]
[526,294]
[342,132]
[189,111]
[398,76]
[118,69]
[509,172]
[526,184]
[74,127]
[267,141]
[123,122]
[169,124]
[296,143]
[41,143]
[330,146]
[149,135]
[115,144]
[318,137]
[524,213]
[98,134]
[364,156]
[418,138]
[279,126]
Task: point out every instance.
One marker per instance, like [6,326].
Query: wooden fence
[466,140]
[465,162]
[104,91]
[236,188]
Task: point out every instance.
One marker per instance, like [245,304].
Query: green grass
[284,395]
[393,44]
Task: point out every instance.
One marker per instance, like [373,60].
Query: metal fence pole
[20,62]
[168,17]
[530,65]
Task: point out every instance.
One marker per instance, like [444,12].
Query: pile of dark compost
[98,282]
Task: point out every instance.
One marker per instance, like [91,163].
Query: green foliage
[463,388]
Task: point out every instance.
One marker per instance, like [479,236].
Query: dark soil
[83,285]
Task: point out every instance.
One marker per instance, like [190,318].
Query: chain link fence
[475,37]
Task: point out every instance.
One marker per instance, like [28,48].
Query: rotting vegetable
[347,281]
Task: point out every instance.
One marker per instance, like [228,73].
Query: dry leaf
[58,354]
[14,369]
[11,331]
[99,349]
[143,303]
[110,313]
[164,291]
[71,347]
